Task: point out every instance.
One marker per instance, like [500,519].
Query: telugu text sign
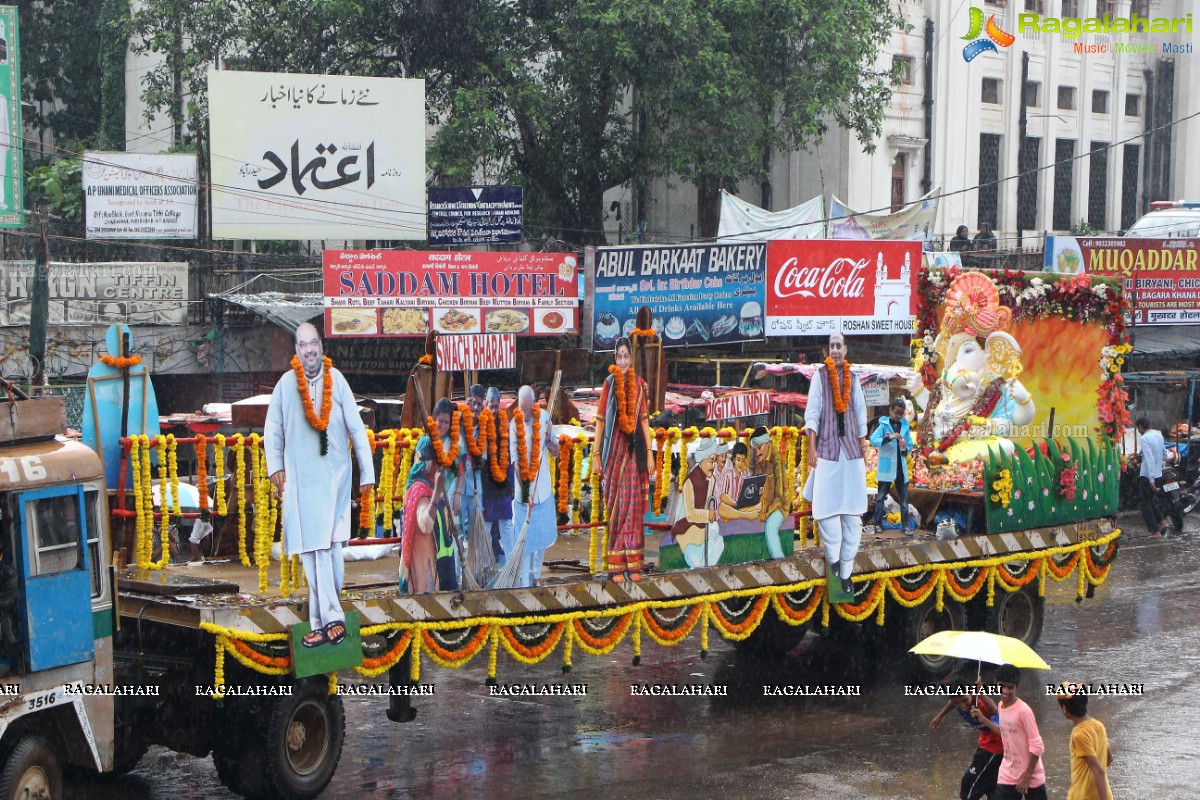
[700,294]
[99,294]
[136,196]
[467,215]
[410,292]
[317,156]
[823,286]
[733,406]
[485,351]
[1161,276]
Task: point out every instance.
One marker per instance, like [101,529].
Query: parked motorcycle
[1174,502]
[1171,499]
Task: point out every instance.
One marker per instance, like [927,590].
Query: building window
[1099,101]
[899,168]
[1064,183]
[1133,105]
[989,177]
[1106,7]
[1098,186]
[1036,6]
[1066,97]
[1129,185]
[1032,90]
[902,69]
[1070,8]
[991,91]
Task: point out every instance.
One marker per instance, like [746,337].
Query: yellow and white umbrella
[980,646]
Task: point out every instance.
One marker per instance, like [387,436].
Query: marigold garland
[492,425]
[664,439]
[139,526]
[164,504]
[439,451]
[473,434]
[528,465]
[201,447]
[626,401]
[841,385]
[148,507]
[118,362]
[387,481]
[564,473]
[219,468]
[577,478]
[240,478]
[320,424]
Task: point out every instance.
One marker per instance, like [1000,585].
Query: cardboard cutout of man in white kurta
[316,487]
[837,484]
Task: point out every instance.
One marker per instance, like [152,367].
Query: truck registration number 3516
[42,700]
[28,469]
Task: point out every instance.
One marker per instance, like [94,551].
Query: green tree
[60,42]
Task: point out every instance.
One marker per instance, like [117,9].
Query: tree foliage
[566,97]
[60,42]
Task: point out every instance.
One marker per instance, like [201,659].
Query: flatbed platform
[188,596]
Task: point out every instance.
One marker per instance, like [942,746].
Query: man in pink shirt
[1021,772]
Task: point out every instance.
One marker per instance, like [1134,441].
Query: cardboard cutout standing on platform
[120,402]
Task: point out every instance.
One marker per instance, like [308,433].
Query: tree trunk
[708,207]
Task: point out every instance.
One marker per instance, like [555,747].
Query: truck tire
[922,622]
[31,771]
[1019,614]
[304,741]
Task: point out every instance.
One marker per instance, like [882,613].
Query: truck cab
[56,604]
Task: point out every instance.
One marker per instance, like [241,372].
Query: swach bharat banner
[410,292]
[823,286]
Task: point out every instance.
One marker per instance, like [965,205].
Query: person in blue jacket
[894,441]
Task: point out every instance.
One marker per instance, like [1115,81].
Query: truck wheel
[304,741]
[1019,615]
[922,622]
[31,772]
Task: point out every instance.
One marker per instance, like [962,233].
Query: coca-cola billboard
[819,286]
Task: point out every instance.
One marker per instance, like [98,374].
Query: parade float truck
[1018,474]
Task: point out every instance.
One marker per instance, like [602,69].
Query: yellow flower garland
[240,477]
[164,507]
[173,474]
[148,505]
[577,478]
[882,584]
[219,469]
[139,524]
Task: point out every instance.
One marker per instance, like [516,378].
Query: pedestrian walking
[1021,772]
[1090,751]
[1153,453]
[980,778]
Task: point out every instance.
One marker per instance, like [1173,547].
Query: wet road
[1142,627]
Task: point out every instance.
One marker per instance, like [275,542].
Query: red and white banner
[485,351]
[743,404]
[823,286]
[375,293]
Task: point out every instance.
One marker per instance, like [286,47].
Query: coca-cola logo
[842,277]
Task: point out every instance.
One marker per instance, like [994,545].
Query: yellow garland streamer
[664,471]
[219,469]
[173,474]
[148,506]
[164,506]
[883,583]
[387,480]
[577,478]
[240,477]
[139,524]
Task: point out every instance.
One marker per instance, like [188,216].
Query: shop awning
[1166,341]
[285,310]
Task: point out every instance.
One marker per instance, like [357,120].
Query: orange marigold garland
[491,425]
[626,401]
[319,423]
[202,474]
[117,362]
[564,473]
[474,434]
[439,452]
[840,385]
[528,465]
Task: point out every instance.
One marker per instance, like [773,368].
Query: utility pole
[40,309]
[1023,129]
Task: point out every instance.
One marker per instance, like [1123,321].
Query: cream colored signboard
[317,156]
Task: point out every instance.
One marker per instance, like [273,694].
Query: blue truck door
[57,597]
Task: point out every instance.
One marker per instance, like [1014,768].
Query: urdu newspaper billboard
[317,156]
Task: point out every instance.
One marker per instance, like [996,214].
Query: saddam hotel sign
[1074,27]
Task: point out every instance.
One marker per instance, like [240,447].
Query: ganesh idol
[977,401]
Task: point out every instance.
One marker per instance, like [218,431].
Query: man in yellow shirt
[1090,754]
